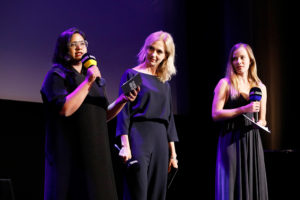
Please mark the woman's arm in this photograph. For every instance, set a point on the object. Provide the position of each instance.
(76, 98)
(125, 151)
(173, 156)
(220, 98)
(263, 106)
(115, 107)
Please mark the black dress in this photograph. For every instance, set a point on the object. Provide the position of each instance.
(78, 161)
(149, 124)
(240, 166)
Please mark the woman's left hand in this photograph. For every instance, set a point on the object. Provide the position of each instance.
(132, 95)
(173, 163)
(262, 122)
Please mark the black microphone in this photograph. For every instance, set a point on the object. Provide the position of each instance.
(131, 164)
(255, 95)
(88, 61)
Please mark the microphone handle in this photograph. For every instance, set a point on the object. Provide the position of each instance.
(134, 164)
(256, 117)
(100, 81)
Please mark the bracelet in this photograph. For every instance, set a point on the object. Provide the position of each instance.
(173, 157)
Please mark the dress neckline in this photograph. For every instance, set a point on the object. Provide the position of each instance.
(245, 98)
(144, 73)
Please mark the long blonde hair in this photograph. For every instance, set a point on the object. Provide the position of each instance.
(167, 67)
(231, 74)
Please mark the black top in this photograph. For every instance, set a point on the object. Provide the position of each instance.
(154, 103)
(60, 82)
(77, 147)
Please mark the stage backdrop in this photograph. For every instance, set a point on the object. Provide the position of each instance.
(115, 30)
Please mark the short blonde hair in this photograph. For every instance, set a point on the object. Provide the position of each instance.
(167, 67)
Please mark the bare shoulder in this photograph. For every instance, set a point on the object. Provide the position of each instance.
(262, 87)
(139, 68)
(222, 87)
(223, 83)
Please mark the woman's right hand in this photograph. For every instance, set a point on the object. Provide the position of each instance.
(92, 73)
(252, 107)
(125, 153)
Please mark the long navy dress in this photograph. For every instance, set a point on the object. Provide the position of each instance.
(240, 166)
(149, 124)
(77, 161)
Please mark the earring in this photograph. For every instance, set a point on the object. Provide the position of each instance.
(67, 58)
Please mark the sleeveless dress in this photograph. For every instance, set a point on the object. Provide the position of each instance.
(240, 165)
(77, 153)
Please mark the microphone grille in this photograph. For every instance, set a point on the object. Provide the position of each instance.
(88, 60)
(255, 94)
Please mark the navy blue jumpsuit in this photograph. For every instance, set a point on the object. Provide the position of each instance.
(149, 124)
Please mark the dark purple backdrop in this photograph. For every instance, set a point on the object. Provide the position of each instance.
(116, 31)
(203, 33)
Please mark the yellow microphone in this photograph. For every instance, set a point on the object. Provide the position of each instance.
(88, 61)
